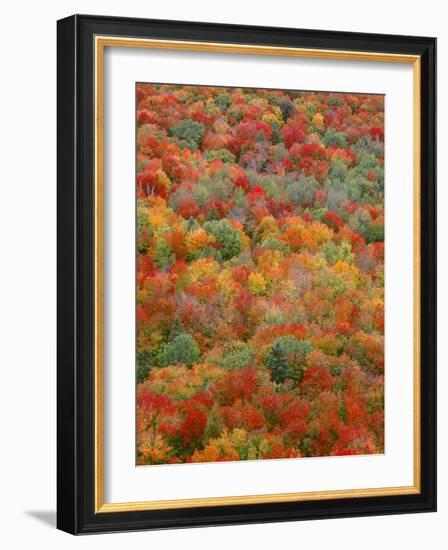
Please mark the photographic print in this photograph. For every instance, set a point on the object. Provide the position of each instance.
(260, 274)
(236, 334)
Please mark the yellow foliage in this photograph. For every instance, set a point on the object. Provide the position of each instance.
(207, 373)
(288, 287)
(321, 232)
(153, 449)
(275, 117)
(259, 102)
(349, 272)
(227, 285)
(157, 220)
(204, 267)
(318, 119)
(149, 339)
(267, 226)
(257, 284)
(269, 260)
(160, 215)
(197, 240)
(163, 178)
(310, 262)
(180, 381)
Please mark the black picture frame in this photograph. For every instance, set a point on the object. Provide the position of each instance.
(76, 273)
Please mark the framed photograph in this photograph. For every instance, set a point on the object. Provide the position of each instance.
(246, 274)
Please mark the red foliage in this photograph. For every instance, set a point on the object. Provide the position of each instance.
(260, 333)
(333, 220)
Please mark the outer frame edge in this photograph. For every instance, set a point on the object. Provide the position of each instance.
(67, 462)
(89, 523)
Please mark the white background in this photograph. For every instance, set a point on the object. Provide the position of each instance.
(126, 483)
(27, 288)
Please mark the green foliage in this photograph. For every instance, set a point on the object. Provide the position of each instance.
(334, 138)
(344, 253)
(182, 349)
(229, 238)
(214, 426)
(223, 101)
(330, 250)
(285, 358)
(222, 154)
(163, 255)
(287, 108)
(366, 145)
(276, 362)
(302, 191)
(192, 224)
(272, 243)
(334, 253)
(374, 232)
(142, 216)
(265, 341)
(189, 132)
(336, 199)
(201, 194)
(177, 328)
(333, 281)
(236, 355)
(145, 362)
(144, 230)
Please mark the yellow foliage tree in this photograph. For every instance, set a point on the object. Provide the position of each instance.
(257, 284)
(197, 240)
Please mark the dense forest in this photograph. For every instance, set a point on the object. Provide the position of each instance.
(260, 274)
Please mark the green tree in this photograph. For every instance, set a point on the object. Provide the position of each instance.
(221, 154)
(163, 255)
(182, 349)
(344, 253)
(236, 355)
(374, 232)
(285, 358)
(177, 329)
(189, 132)
(229, 238)
(223, 101)
(335, 138)
(144, 365)
(276, 363)
(334, 253)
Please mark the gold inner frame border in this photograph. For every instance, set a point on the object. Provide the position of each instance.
(101, 42)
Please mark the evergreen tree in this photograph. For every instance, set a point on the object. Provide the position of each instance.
(286, 357)
(177, 329)
(144, 365)
(277, 364)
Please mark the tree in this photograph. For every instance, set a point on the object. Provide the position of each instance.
(163, 256)
(177, 329)
(374, 231)
(144, 365)
(257, 284)
(286, 357)
(259, 273)
(230, 240)
(277, 364)
(182, 349)
(236, 355)
(223, 101)
(189, 133)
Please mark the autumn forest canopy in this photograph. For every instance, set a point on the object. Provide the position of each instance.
(260, 274)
